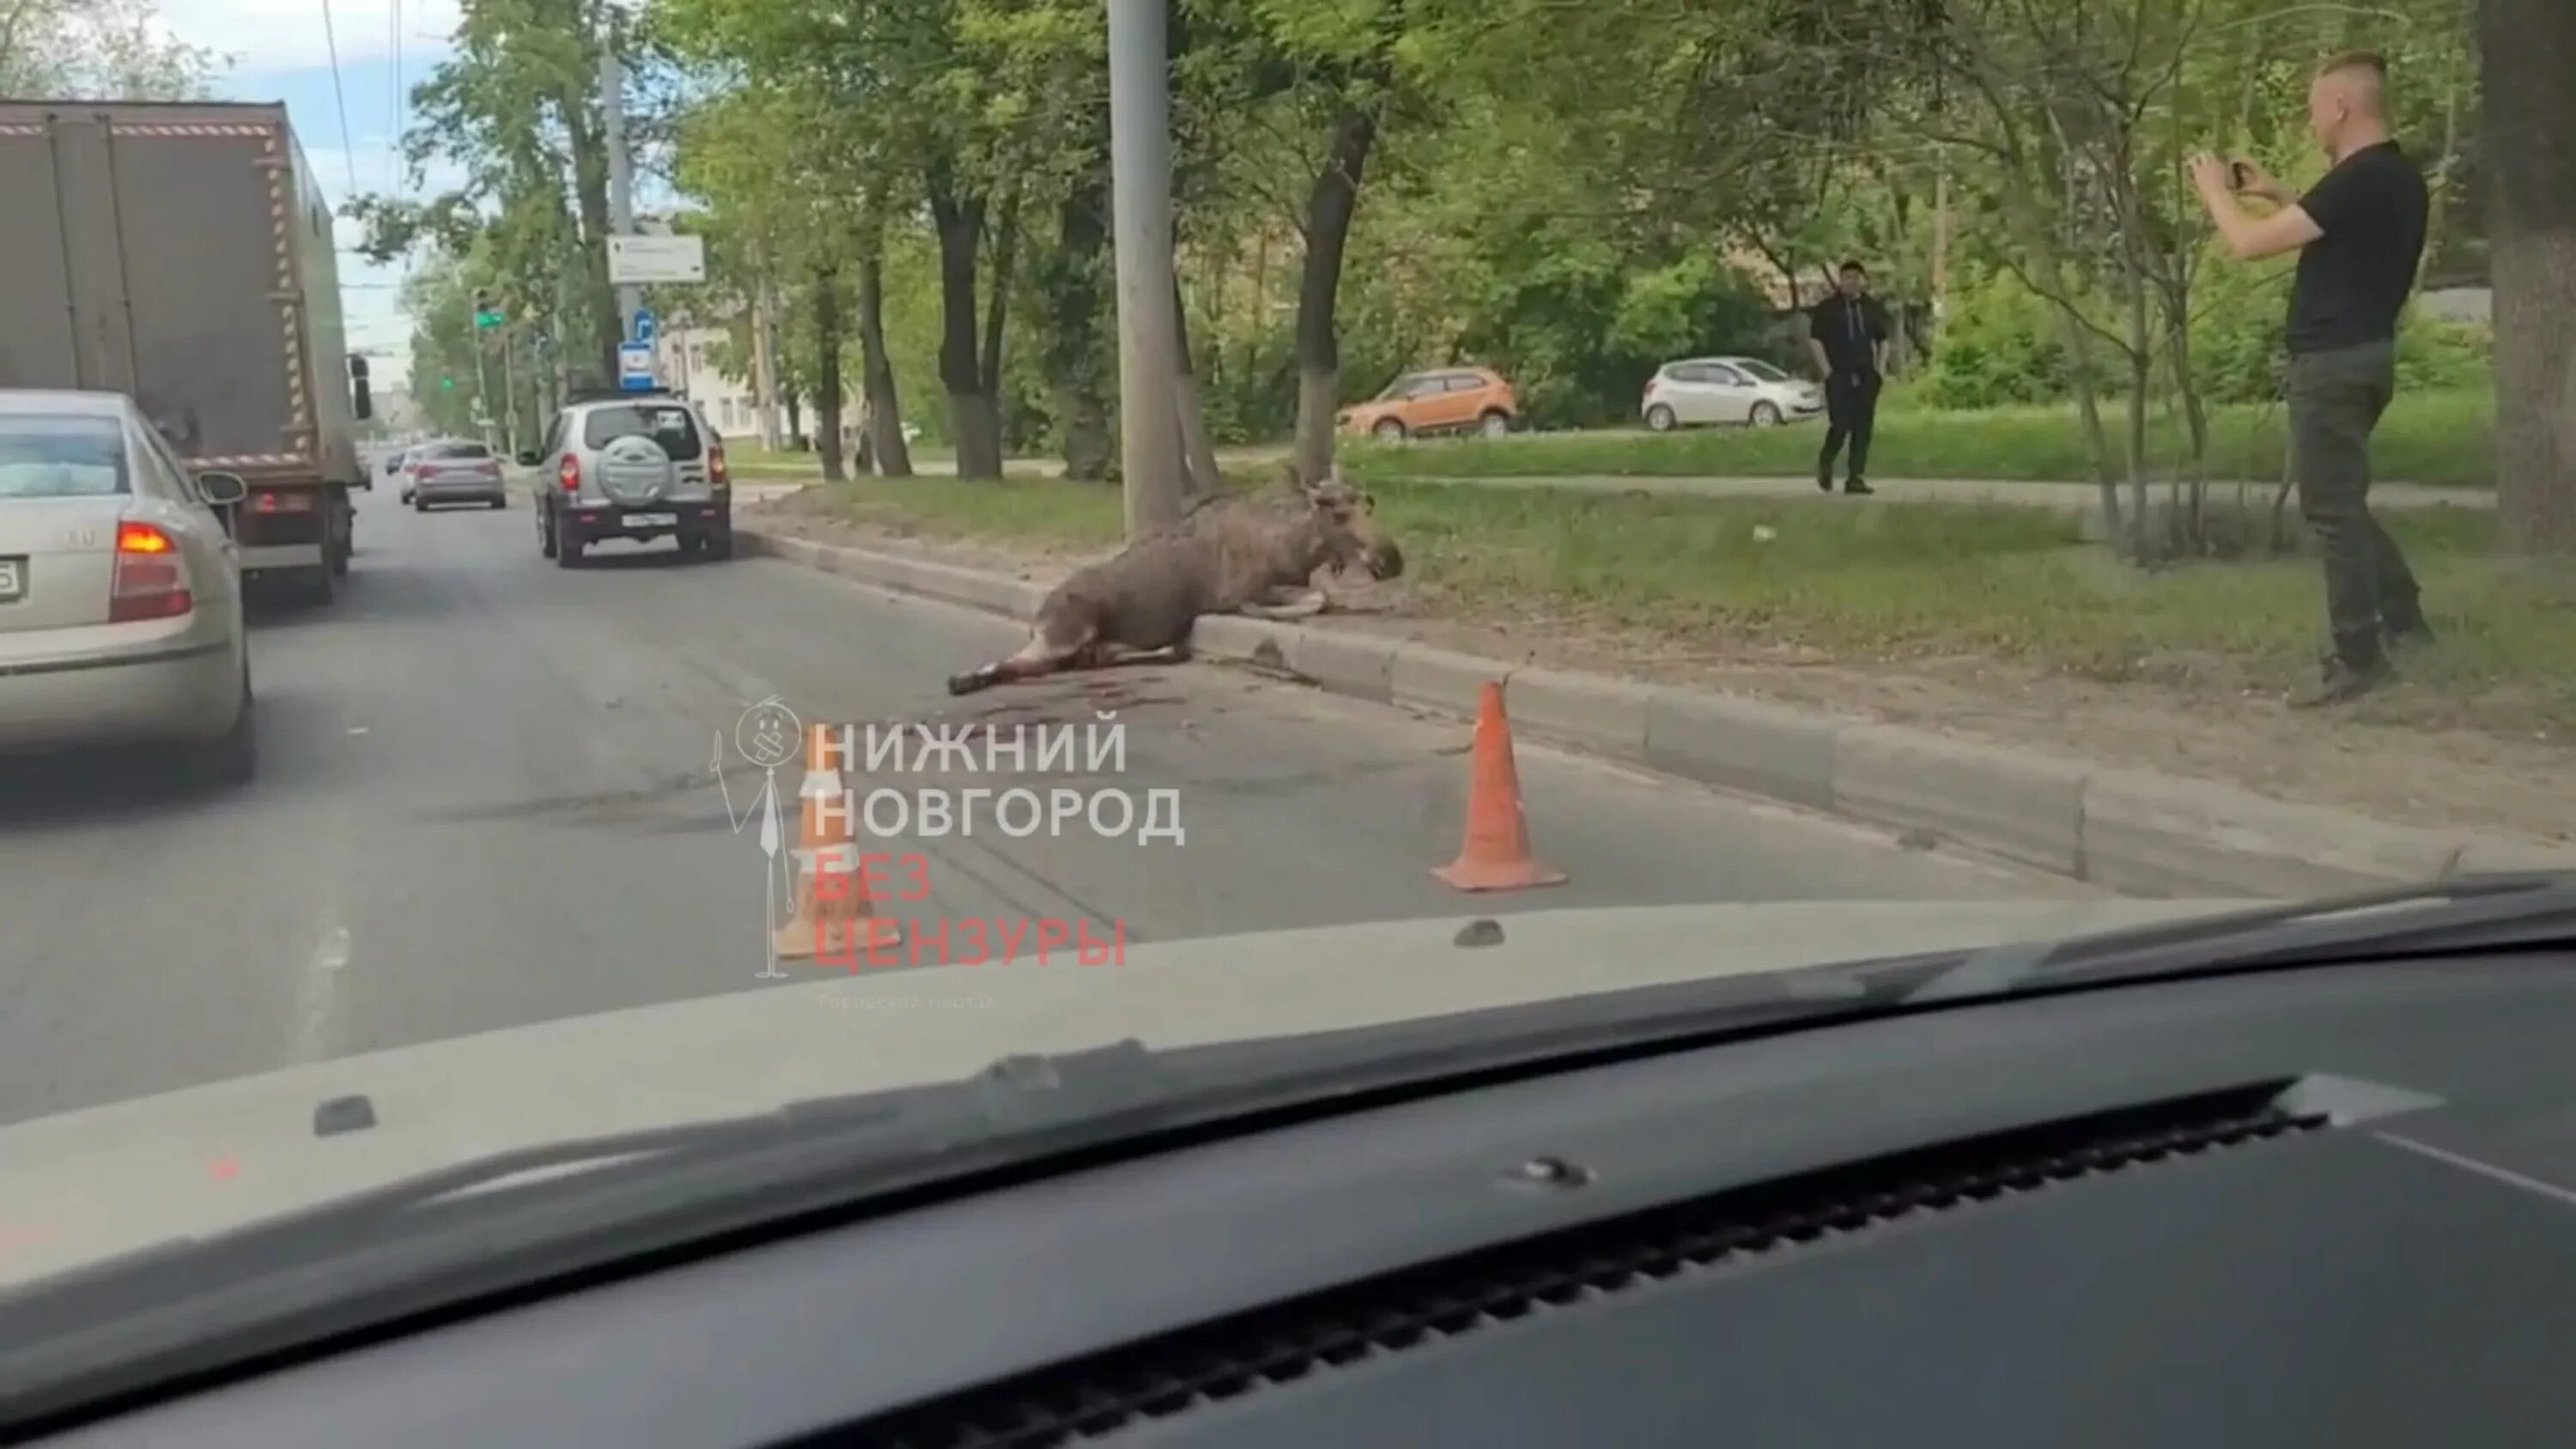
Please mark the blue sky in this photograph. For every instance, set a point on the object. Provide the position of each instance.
(349, 119)
(280, 51)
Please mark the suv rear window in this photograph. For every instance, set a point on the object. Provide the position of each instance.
(668, 424)
(52, 456)
(452, 450)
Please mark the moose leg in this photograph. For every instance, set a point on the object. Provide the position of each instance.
(1052, 647)
(1287, 604)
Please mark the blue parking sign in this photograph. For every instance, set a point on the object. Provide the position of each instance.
(643, 324)
(635, 366)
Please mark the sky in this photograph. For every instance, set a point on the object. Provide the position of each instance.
(349, 119)
(281, 50)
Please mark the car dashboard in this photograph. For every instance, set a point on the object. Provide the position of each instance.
(2332, 1206)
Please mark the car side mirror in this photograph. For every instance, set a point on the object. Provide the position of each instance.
(222, 489)
(361, 401)
(531, 460)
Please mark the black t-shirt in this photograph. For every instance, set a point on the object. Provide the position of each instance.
(1850, 329)
(2352, 281)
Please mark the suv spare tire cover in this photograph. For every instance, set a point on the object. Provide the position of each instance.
(633, 470)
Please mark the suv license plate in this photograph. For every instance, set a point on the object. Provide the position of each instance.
(651, 520)
(13, 580)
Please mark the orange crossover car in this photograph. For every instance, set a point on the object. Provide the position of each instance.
(1442, 400)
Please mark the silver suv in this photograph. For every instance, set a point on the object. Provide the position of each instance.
(639, 465)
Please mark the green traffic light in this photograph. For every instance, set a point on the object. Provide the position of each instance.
(447, 384)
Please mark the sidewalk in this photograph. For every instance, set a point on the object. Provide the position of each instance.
(2082, 498)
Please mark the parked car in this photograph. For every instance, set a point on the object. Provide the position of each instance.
(631, 466)
(1443, 400)
(454, 472)
(1746, 390)
(393, 465)
(120, 587)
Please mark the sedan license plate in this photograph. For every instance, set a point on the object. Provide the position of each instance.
(651, 520)
(13, 580)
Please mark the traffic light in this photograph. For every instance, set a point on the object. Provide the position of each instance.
(485, 313)
(446, 383)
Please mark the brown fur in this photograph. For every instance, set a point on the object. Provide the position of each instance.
(1242, 553)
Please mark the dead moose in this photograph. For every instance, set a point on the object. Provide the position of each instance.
(1251, 553)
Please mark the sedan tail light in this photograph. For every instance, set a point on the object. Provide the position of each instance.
(151, 579)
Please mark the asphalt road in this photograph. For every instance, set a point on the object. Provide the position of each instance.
(486, 798)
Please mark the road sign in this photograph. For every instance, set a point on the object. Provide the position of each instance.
(642, 330)
(656, 260)
(635, 366)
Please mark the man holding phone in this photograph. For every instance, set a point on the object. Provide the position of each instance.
(1847, 334)
(2359, 233)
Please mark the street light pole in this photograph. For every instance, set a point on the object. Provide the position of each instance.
(621, 166)
(1140, 178)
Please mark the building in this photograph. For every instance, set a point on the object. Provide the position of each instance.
(687, 360)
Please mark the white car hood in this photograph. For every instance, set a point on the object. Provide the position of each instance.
(85, 1185)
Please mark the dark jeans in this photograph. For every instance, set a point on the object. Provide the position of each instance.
(2336, 398)
(1851, 408)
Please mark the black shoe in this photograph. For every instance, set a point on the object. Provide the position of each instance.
(1858, 489)
(2414, 634)
(2344, 681)
(1826, 482)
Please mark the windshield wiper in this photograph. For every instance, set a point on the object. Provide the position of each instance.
(2468, 913)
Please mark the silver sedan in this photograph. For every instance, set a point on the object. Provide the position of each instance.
(120, 588)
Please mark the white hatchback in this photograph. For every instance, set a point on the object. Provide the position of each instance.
(120, 588)
(1743, 390)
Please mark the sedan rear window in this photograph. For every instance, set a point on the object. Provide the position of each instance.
(51, 456)
(474, 451)
(672, 427)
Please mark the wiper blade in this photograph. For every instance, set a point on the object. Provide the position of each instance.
(2472, 912)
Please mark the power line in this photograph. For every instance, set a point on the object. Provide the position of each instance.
(348, 152)
(393, 137)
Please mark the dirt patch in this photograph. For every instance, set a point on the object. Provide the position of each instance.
(2176, 714)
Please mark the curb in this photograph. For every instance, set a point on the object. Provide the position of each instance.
(2132, 831)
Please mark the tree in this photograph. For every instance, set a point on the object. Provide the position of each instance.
(2527, 52)
(98, 49)
(518, 106)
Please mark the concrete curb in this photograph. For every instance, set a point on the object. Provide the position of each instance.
(2132, 831)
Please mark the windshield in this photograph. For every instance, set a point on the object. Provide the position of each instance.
(53, 456)
(1012, 645)
(669, 426)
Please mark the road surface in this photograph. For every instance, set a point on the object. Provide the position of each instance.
(485, 799)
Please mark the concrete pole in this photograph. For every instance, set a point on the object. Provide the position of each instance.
(1140, 178)
(621, 167)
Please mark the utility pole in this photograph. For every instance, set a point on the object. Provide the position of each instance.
(1140, 178)
(621, 167)
(509, 395)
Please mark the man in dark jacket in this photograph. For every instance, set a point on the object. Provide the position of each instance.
(1847, 333)
(2359, 234)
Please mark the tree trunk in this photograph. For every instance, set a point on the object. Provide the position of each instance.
(887, 451)
(590, 194)
(973, 419)
(2527, 52)
(764, 342)
(1329, 207)
(827, 373)
(1198, 450)
(1069, 276)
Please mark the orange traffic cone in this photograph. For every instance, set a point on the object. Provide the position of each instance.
(835, 915)
(1496, 855)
